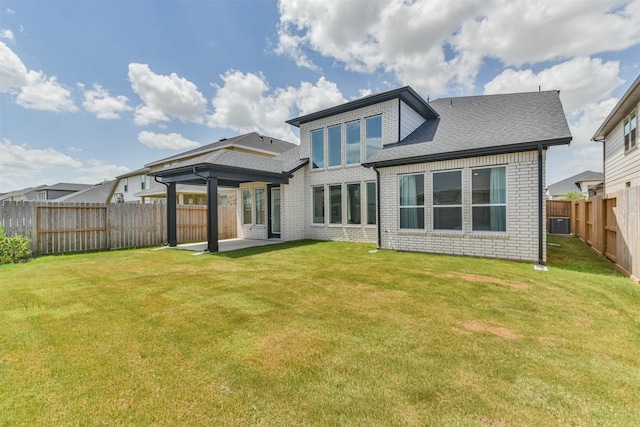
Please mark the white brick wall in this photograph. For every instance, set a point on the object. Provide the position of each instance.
(519, 242)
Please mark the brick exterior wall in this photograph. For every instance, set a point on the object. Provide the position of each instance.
(519, 242)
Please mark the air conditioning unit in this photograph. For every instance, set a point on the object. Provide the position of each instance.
(560, 225)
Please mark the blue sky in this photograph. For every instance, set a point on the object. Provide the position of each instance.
(92, 89)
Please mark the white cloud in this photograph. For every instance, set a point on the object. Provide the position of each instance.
(171, 141)
(7, 34)
(165, 97)
(245, 103)
(96, 171)
(580, 81)
(102, 104)
(433, 45)
(34, 89)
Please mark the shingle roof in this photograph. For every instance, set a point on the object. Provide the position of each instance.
(95, 194)
(569, 184)
(481, 125)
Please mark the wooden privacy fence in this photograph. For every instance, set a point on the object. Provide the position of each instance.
(611, 226)
(77, 227)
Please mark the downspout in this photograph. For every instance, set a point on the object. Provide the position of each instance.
(540, 206)
(378, 216)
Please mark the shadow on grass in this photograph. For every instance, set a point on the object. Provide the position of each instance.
(257, 250)
(571, 253)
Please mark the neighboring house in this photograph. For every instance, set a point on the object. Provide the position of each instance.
(582, 183)
(128, 185)
(619, 135)
(94, 194)
(44, 192)
(460, 176)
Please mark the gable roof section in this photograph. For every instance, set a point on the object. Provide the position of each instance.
(570, 184)
(629, 100)
(251, 141)
(482, 125)
(406, 94)
(95, 194)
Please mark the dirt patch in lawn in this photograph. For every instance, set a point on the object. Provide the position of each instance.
(495, 330)
(486, 279)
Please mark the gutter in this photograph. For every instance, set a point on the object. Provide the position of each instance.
(540, 210)
(378, 215)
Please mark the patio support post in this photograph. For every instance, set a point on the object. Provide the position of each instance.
(172, 216)
(212, 214)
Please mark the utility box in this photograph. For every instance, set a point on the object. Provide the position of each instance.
(560, 225)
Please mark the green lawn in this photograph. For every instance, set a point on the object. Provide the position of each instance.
(318, 333)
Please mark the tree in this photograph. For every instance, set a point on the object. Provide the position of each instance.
(573, 195)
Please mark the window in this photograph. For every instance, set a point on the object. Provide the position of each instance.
(354, 212)
(260, 206)
(317, 149)
(373, 138)
(143, 181)
(353, 142)
(630, 131)
(489, 199)
(372, 204)
(447, 200)
(335, 145)
(335, 203)
(412, 201)
(126, 185)
(224, 201)
(318, 205)
(246, 206)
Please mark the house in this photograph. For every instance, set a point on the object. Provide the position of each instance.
(128, 185)
(95, 194)
(458, 175)
(619, 135)
(44, 192)
(582, 183)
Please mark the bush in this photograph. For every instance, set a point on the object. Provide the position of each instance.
(14, 249)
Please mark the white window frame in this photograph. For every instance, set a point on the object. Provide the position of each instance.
(244, 205)
(341, 216)
(366, 136)
(321, 166)
(359, 143)
(420, 207)
(261, 209)
(505, 204)
(632, 133)
(347, 204)
(375, 203)
(434, 206)
(329, 151)
(313, 205)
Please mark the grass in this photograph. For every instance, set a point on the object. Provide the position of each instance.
(318, 333)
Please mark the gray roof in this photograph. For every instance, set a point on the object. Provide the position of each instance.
(95, 194)
(571, 184)
(251, 141)
(482, 125)
(65, 186)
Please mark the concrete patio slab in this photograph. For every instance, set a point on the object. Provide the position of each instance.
(227, 245)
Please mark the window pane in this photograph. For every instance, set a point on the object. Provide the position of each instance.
(412, 218)
(260, 206)
(353, 142)
(246, 206)
(371, 202)
(489, 186)
(449, 218)
(317, 149)
(447, 188)
(411, 190)
(373, 128)
(318, 205)
(354, 212)
(335, 201)
(335, 146)
(489, 218)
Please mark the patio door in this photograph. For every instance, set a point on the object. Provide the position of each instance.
(274, 211)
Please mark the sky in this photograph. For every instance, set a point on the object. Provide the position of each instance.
(92, 89)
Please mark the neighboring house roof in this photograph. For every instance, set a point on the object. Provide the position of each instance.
(21, 193)
(570, 184)
(252, 141)
(30, 193)
(405, 94)
(136, 172)
(482, 125)
(65, 186)
(628, 101)
(95, 194)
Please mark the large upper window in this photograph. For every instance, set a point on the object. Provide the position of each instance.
(334, 135)
(447, 200)
(317, 149)
(354, 211)
(353, 142)
(371, 202)
(630, 131)
(335, 203)
(373, 137)
(260, 206)
(318, 205)
(246, 206)
(412, 201)
(489, 199)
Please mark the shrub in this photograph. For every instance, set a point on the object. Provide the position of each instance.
(14, 249)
